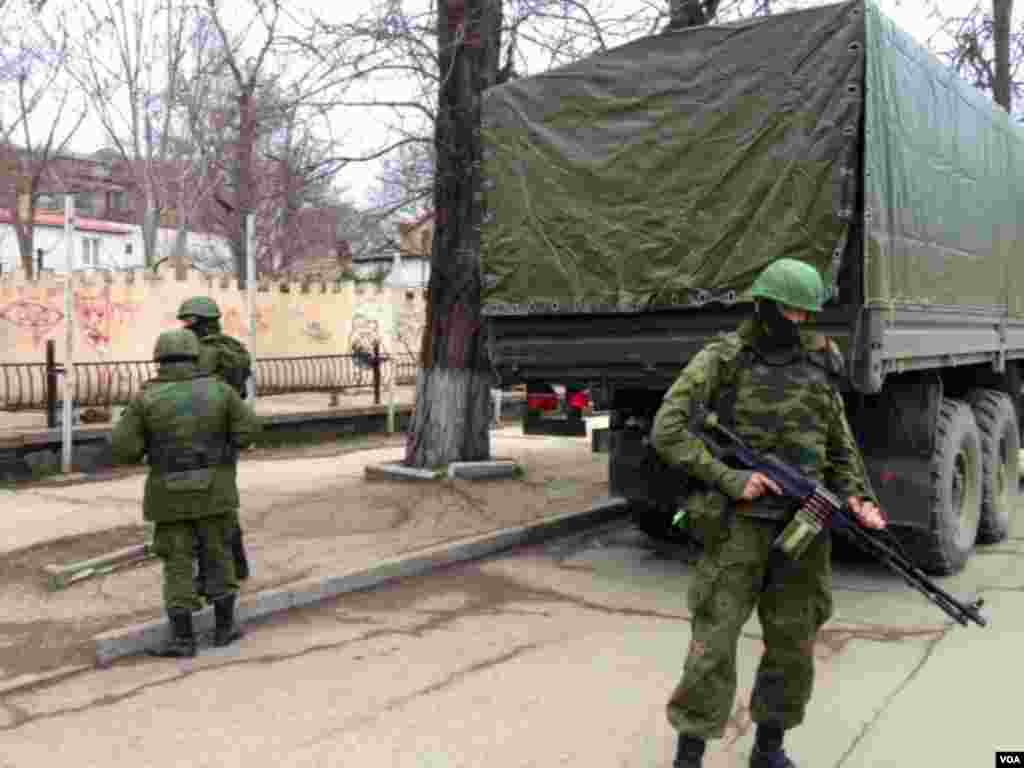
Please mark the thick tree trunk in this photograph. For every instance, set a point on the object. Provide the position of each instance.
(1002, 11)
(180, 248)
(24, 225)
(25, 232)
(150, 224)
(450, 422)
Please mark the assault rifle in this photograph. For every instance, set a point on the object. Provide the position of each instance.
(819, 508)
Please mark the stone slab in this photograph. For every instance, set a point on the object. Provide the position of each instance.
(139, 638)
(401, 472)
(482, 470)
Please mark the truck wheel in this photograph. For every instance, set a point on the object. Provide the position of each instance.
(1000, 473)
(956, 492)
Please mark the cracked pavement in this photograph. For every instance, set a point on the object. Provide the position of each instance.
(560, 654)
(552, 655)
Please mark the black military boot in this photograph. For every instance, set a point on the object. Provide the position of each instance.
(226, 631)
(770, 759)
(238, 553)
(768, 751)
(689, 753)
(183, 638)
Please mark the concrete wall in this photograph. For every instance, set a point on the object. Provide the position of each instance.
(117, 316)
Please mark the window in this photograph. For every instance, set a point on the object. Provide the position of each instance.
(117, 200)
(49, 202)
(90, 251)
(85, 203)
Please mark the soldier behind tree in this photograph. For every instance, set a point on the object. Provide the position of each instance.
(776, 386)
(187, 423)
(226, 357)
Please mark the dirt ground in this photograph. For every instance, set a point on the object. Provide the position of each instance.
(307, 512)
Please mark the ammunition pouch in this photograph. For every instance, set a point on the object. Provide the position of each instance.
(189, 480)
(236, 379)
(187, 469)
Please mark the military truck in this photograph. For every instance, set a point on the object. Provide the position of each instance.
(633, 197)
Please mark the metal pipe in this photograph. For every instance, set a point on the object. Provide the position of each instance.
(51, 384)
(250, 299)
(69, 333)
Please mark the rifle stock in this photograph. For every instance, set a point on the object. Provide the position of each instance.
(819, 509)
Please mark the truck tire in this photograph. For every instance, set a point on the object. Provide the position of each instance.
(1000, 473)
(956, 467)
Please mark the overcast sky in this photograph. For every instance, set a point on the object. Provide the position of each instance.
(362, 130)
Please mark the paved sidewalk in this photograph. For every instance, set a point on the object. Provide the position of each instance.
(304, 518)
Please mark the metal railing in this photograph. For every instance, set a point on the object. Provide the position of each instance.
(34, 386)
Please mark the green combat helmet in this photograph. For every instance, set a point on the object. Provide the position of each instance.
(176, 345)
(199, 306)
(792, 283)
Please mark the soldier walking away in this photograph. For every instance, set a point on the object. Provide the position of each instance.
(226, 357)
(776, 385)
(186, 423)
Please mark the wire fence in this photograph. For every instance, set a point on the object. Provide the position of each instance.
(35, 386)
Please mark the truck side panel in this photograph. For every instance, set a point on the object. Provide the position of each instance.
(944, 235)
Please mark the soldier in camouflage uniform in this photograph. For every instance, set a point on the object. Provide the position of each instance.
(776, 386)
(187, 424)
(226, 357)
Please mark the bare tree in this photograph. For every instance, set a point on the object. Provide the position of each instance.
(279, 80)
(131, 62)
(987, 50)
(32, 77)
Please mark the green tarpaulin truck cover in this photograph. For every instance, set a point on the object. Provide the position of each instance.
(671, 170)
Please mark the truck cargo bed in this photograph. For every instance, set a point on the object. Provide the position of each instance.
(643, 349)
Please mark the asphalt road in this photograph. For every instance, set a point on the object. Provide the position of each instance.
(555, 655)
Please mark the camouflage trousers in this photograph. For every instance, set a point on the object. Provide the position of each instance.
(735, 574)
(174, 543)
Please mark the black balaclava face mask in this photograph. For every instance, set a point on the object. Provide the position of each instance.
(782, 333)
(203, 326)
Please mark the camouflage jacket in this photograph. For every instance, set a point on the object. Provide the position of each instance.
(788, 407)
(189, 427)
(227, 358)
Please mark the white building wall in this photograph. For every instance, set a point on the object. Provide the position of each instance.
(115, 252)
(409, 273)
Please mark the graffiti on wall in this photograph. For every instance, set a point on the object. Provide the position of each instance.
(313, 328)
(365, 333)
(98, 317)
(409, 331)
(33, 317)
(118, 319)
(233, 324)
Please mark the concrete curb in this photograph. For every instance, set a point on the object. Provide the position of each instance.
(483, 470)
(137, 638)
(400, 472)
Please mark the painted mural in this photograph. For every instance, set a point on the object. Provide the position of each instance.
(119, 316)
